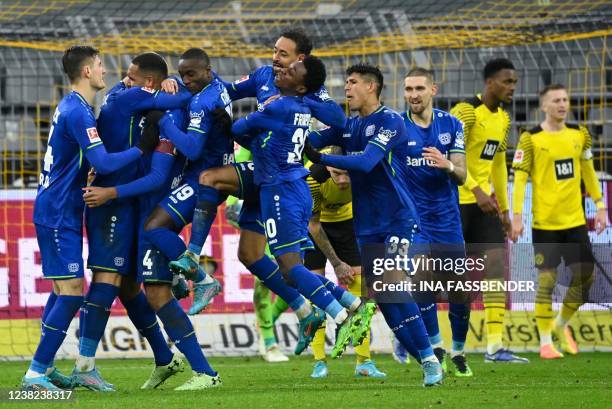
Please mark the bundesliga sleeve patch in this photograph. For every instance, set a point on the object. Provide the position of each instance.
(243, 79)
(518, 156)
(92, 134)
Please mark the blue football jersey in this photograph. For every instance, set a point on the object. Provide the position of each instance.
(260, 84)
(434, 192)
(120, 120)
(281, 128)
(382, 202)
(218, 148)
(59, 200)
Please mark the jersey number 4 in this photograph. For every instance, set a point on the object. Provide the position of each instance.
(298, 139)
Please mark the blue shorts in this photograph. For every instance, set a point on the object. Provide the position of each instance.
(444, 242)
(152, 265)
(179, 204)
(112, 234)
(286, 209)
(61, 251)
(250, 213)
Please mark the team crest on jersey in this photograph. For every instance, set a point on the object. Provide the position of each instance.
(73, 267)
(369, 131)
(243, 79)
(149, 90)
(322, 94)
(444, 138)
(385, 135)
(92, 134)
(119, 261)
(518, 156)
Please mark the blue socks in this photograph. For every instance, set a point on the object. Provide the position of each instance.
(179, 329)
(411, 319)
(49, 306)
(311, 287)
(459, 317)
(203, 217)
(95, 311)
(55, 325)
(429, 313)
(166, 241)
(345, 298)
(268, 273)
(144, 319)
(394, 321)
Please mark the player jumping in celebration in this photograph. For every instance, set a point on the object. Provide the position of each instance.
(485, 220)
(277, 133)
(557, 155)
(436, 165)
(73, 145)
(237, 180)
(375, 143)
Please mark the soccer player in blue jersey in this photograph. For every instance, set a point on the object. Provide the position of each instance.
(436, 166)
(73, 145)
(276, 134)
(375, 143)
(112, 229)
(237, 180)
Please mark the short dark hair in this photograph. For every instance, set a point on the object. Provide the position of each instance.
(303, 44)
(315, 73)
(370, 71)
(196, 54)
(494, 66)
(551, 87)
(151, 63)
(421, 72)
(75, 58)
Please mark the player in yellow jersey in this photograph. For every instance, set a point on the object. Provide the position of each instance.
(557, 155)
(331, 228)
(485, 217)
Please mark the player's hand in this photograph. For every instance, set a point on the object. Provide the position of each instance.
(232, 213)
(600, 220)
(311, 153)
(270, 99)
(506, 221)
(517, 227)
(222, 121)
(149, 138)
(486, 203)
(434, 158)
(95, 196)
(344, 273)
(170, 86)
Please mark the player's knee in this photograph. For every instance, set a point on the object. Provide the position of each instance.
(248, 255)
(210, 178)
(107, 278)
(158, 295)
(287, 262)
(128, 290)
(73, 286)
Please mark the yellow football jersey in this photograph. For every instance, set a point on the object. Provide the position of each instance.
(553, 160)
(334, 204)
(486, 134)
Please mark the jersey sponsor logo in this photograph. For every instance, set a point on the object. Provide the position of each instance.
(243, 79)
(370, 129)
(385, 135)
(346, 135)
(444, 138)
(412, 143)
(149, 90)
(518, 156)
(73, 267)
(410, 161)
(92, 134)
(489, 149)
(564, 169)
(119, 261)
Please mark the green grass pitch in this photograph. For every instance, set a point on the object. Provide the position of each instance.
(584, 381)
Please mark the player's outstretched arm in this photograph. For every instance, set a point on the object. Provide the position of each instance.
(325, 137)
(189, 143)
(326, 110)
(363, 162)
